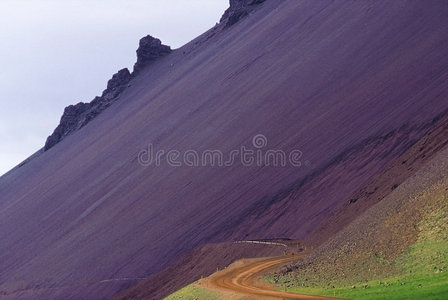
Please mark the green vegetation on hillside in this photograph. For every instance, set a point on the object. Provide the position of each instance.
(430, 286)
(419, 272)
(192, 291)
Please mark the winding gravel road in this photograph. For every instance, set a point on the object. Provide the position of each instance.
(245, 280)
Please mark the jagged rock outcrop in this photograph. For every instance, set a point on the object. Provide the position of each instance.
(149, 50)
(77, 116)
(117, 84)
(238, 10)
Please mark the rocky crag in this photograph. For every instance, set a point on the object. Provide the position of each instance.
(238, 10)
(150, 49)
(79, 115)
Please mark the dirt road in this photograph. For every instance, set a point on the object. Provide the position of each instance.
(244, 279)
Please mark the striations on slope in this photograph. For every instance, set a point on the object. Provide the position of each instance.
(356, 82)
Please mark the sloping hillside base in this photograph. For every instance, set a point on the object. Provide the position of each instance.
(398, 247)
(202, 262)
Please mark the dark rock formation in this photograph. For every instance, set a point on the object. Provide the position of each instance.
(238, 10)
(117, 83)
(77, 116)
(149, 50)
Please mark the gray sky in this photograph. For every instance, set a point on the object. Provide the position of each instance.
(54, 53)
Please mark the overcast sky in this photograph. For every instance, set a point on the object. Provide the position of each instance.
(54, 53)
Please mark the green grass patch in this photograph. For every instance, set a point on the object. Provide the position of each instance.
(193, 292)
(421, 270)
(417, 287)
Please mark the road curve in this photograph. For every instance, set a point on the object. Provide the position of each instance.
(245, 280)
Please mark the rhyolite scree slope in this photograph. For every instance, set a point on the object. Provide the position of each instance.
(352, 84)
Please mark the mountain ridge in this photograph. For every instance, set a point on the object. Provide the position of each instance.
(77, 116)
(304, 74)
(150, 49)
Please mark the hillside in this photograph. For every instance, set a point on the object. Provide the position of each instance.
(397, 249)
(392, 245)
(351, 85)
